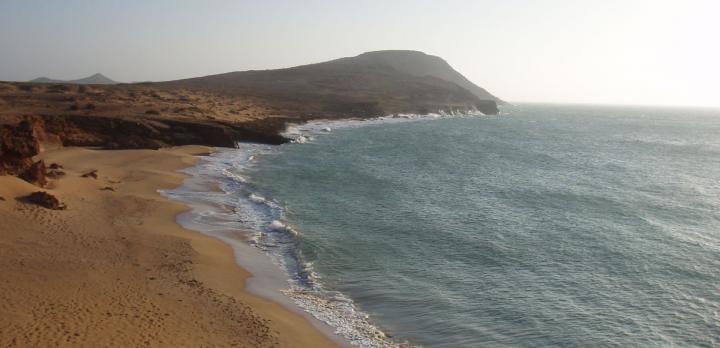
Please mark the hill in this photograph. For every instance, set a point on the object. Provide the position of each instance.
(46, 80)
(96, 79)
(421, 64)
(371, 84)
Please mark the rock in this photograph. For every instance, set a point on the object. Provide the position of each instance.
(2, 199)
(18, 144)
(91, 174)
(45, 200)
(107, 188)
(55, 174)
(46, 140)
(36, 174)
(54, 171)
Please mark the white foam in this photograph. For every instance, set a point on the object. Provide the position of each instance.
(237, 177)
(301, 139)
(303, 133)
(281, 227)
(257, 199)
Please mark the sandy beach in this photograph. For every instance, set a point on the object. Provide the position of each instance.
(115, 269)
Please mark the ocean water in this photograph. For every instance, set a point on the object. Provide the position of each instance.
(547, 226)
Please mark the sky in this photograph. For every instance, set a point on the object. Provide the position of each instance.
(601, 52)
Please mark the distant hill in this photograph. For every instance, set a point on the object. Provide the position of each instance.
(373, 83)
(46, 80)
(96, 79)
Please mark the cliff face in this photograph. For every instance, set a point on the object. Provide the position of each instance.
(149, 133)
(21, 142)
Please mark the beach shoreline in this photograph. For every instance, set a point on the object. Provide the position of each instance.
(225, 206)
(116, 269)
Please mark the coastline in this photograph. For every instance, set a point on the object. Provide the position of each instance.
(221, 208)
(115, 269)
(225, 206)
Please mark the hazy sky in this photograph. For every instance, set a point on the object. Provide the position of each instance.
(620, 52)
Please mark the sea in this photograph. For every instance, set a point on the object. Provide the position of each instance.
(544, 226)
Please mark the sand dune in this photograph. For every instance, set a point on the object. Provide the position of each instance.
(114, 269)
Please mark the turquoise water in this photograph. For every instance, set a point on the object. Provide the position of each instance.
(549, 226)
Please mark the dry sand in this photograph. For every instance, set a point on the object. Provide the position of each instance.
(114, 269)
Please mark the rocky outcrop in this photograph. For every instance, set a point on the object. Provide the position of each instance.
(488, 107)
(18, 145)
(36, 174)
(45, 200)
(54, 171)
(90, 174)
